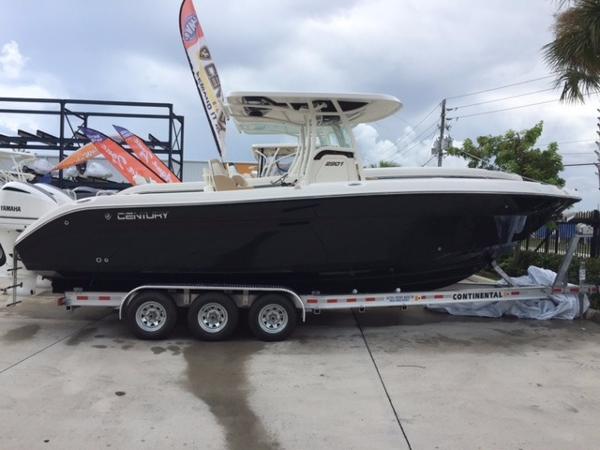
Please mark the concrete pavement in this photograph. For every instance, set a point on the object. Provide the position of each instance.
(79, 379)
(471, 383)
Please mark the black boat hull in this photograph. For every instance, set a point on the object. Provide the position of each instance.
(327, 244)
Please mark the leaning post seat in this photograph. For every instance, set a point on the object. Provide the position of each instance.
(222, 181)
(219, 176)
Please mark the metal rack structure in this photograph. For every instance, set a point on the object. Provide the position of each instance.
(74, 113)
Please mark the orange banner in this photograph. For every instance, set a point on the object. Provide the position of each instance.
(146, 156)
(133, 170)
(85, 153)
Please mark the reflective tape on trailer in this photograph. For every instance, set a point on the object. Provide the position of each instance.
(93, 298)
(481, 294)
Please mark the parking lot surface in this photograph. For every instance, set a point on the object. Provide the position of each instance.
(387, 379)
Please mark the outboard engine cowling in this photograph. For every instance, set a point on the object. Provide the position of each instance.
(20, 205)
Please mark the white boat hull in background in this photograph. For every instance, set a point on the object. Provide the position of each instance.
(20, 205)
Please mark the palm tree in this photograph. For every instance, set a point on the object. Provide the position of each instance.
(575, 52)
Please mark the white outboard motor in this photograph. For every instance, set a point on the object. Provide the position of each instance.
(20, 205)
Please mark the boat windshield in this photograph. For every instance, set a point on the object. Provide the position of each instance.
(277, 165)
(274, 159)
(333, 136)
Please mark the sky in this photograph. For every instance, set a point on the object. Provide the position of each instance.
(419, 51)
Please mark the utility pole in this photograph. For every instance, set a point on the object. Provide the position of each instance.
(597, 164)
(597, 152)
(440, 142)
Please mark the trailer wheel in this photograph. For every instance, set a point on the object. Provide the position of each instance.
(151, 315)
(213, 316)
(272, 317)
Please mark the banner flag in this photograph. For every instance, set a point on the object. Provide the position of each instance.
(85, 153)
(204, 71)
(127, 165)
(146, 156)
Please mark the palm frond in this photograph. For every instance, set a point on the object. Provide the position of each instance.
(575, 52)
(576, 85)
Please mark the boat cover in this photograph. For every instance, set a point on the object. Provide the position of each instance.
(557, 306)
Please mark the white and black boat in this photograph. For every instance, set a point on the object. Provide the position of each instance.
(327, 225)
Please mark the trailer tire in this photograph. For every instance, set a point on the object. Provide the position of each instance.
(151, 315)
(213, 316)
(272, 317)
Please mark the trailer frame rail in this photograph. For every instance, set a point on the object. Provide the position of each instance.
(315, 303)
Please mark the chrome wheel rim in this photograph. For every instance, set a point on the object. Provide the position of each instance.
(213, 317)
(272, 318)
(151, 316)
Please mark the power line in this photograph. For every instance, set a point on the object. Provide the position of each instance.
(414, 128)
(428, 114)
(500, 87)
(416, 139)
(472, 156)
(514, 107)
(429, 160)
(545, 144)
(408, 139)
(581, 164)
(575, 142)
(500, 99)
(416, 143)
(406, 122)
(503, 109)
